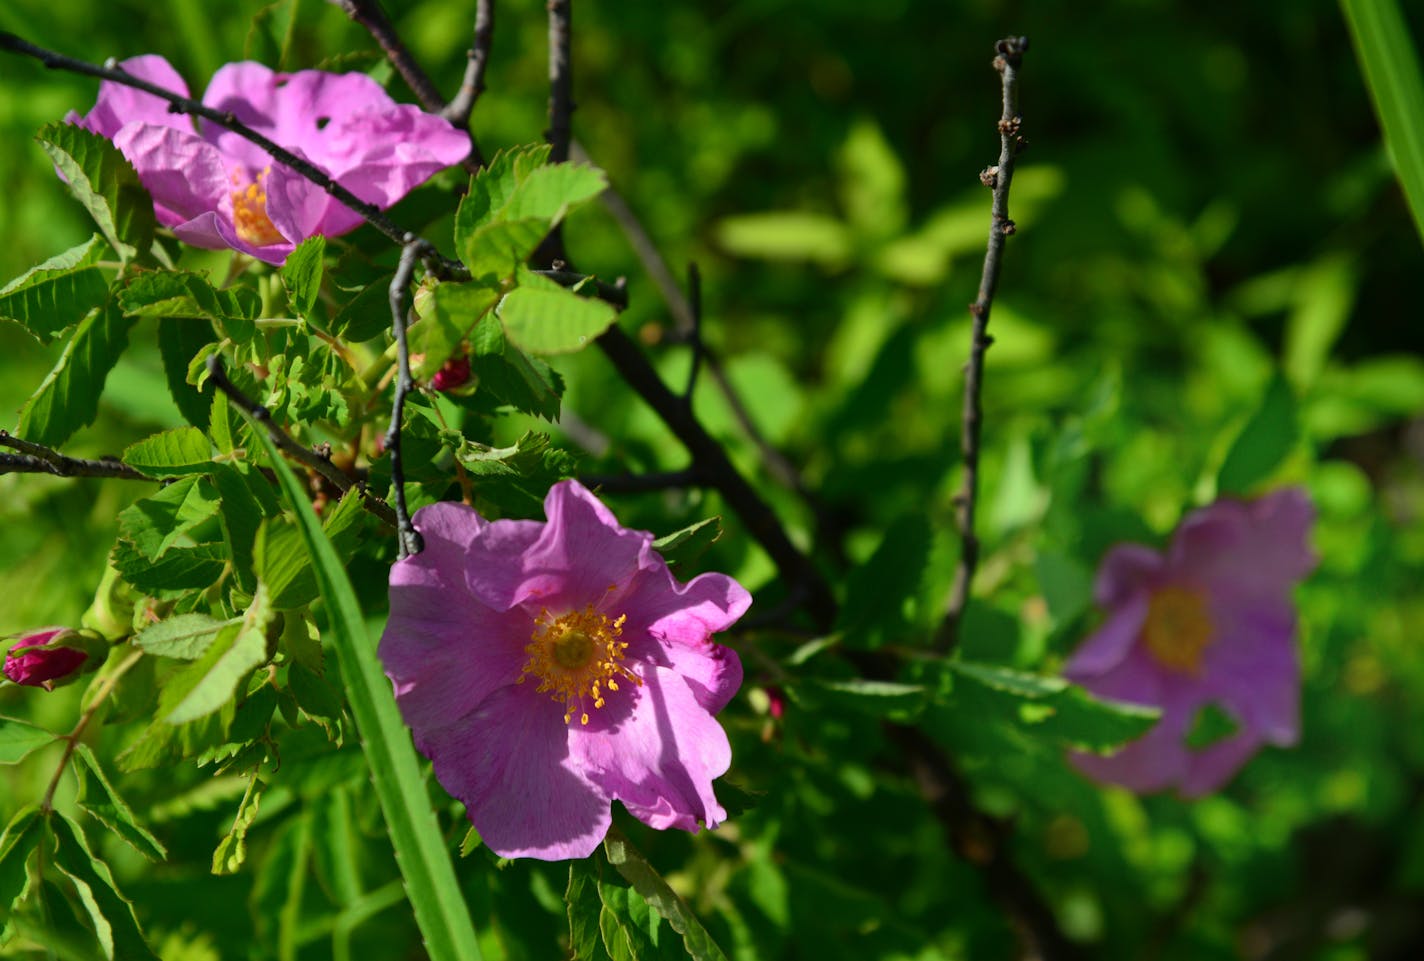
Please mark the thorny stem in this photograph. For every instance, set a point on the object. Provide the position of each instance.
(407, 537)
(39, 459)
(1010, 54)
(283, 440)
(71, 740)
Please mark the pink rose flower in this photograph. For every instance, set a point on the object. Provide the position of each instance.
(1210, 622)
(548, 669)
(36, 661)
(216, 189)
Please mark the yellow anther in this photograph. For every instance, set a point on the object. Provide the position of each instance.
(1178, 628)
(575, 657)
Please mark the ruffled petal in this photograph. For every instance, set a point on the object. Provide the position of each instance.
(184, 174)
(118, 105)
(251, 93)
(1247, 548)
(583, 556)
(508, 761)
(659, 758)
(295, 205)
(382, 152)
(1112, 642)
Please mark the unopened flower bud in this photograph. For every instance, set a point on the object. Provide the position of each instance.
(51, 657)
(455, 373)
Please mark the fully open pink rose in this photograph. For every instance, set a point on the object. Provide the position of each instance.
(548, 669)
(216, 189)
(1210, 622)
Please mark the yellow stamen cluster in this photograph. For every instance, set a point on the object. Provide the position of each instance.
(1178, 628)
(576, 657)
(249, 211)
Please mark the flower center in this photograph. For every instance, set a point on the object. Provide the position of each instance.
(1178, 628)
(576, 658)
(249, 211)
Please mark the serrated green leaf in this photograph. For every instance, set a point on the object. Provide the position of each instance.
(22, 835)
(110, 809)
(584, 910)
(210, 682)
(879, 699)
(499, 249)
(181, 515)
(420, 847)
(493, 185)
(447, 316)
(18, 739)
(1263, 443)
(183, 637)
(687, 545)
(1018, 683)
(241, 514)
(314, 695)
(69, 397)
(367, 314)
(180, 340)
(512, 376)
(553, 321)
(280, 557)
(184, 450)
(180, 569)
(48, 299)
(176, 293)
(650, 885)
(550, 192)
(111, 913)
(105, 183)
(162, 744)
(302, 273)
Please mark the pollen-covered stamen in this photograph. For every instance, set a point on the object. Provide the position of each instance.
(249, 210)
(576, 657)
(1178, 628)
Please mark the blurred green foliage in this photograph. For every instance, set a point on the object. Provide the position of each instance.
(1215, 288)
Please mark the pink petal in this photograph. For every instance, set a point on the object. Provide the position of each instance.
(381, 153)
(1253, 666)
(295, 205)
(1213, 766)
(1126, 570)
(185, 175)
(583, 556)
(1247, 548)
(1112, 642)
(249, 91)
(119, 105)
(508, 761)
(660, 757)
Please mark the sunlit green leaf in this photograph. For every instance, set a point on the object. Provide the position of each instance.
(54, 296)
(105, 183)
(69, 397)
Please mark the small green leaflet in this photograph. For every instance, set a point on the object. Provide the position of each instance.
(19, 738)
(69, 397)
(22, 835)
(105, 183)
(184, 637)
(185, 450)
(687, 545)
(1268, 437)
(302, 273)
(107, 807)
(212, 681)
(176, 293)
(649, 884)
(56, 295)
(553, 321)
(232, 849)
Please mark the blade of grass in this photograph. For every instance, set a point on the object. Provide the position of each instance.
(1391, 68)
(420, 850)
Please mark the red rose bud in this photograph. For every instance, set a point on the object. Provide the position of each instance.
(455, 373)
(36, 661)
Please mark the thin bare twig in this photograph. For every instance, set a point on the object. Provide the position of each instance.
(408, 538)
(458, 110)
(561, 108)
(284, 442)
(1010, 55)
(368, 14)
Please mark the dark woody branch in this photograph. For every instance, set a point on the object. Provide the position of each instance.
(457, 111)
(38, 459)
(407, 537)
